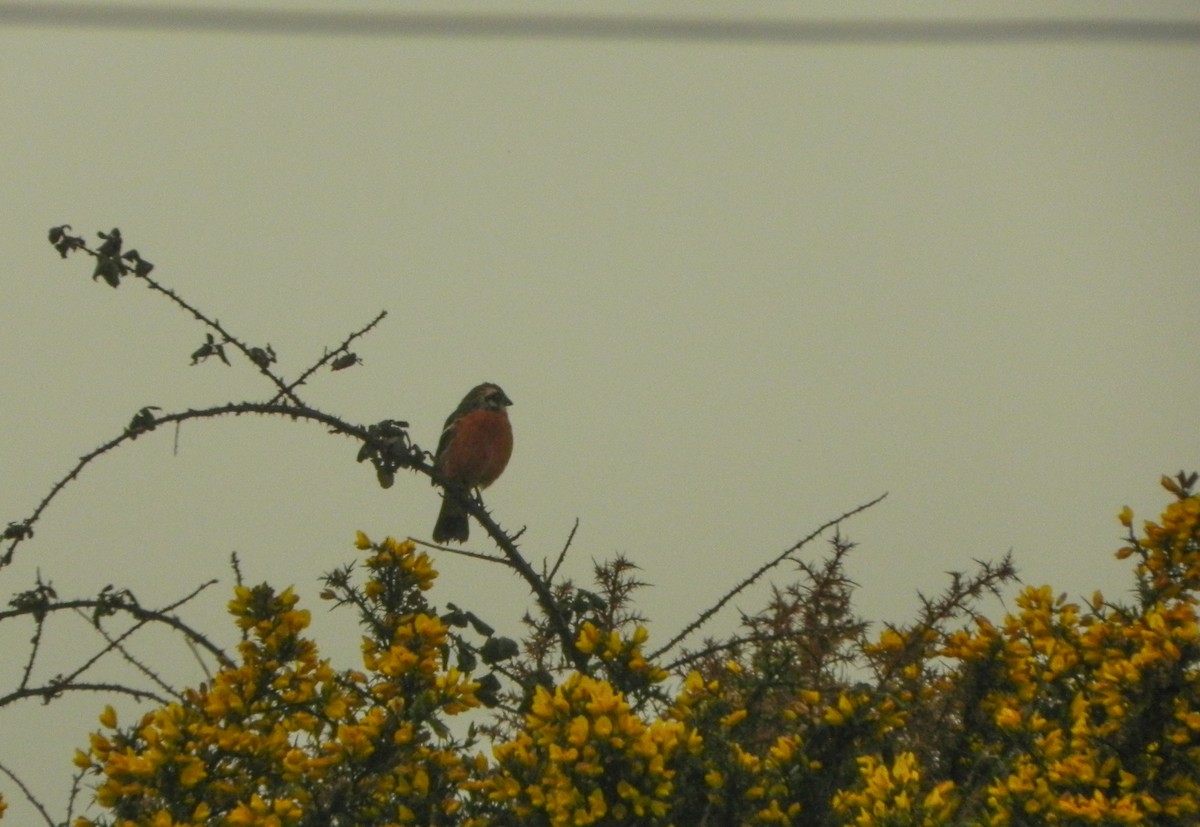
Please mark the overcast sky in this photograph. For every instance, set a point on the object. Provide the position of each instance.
(734, 289)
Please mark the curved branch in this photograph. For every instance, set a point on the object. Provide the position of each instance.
(52, 690)
(231, 408)
(413, 461)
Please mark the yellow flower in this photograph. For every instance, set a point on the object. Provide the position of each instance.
(247, 813)
(193, 772)
(734, 718)
(578, 732)
(783, 750)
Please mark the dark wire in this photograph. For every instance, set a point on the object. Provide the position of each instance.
(176, 18)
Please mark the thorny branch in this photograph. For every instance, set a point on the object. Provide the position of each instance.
(28, 793)
(759, 572)
(41, 603)
(331, 356)
(386, 445)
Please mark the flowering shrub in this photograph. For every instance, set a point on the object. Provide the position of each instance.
(1059, 713)
(284, 739)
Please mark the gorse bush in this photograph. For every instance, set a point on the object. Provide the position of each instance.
(1058, 713)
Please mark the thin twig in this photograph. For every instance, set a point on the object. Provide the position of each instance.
(225, 334)
(562, 555)
(763, 569)
(141, 623)
(115, 644)
(342, 348)
(74, 794)
(540, 587)
(462, 552)
(194, 311)
(733, 643)
(136, 611)
(35, 644)
(53, 690)
(29, 796)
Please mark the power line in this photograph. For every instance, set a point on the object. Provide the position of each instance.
(125, 17)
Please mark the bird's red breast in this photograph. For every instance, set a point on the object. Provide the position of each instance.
(478, 448)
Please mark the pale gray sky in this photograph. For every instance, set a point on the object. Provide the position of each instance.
(734, 289)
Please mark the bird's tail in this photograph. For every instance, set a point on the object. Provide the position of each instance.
(451, 522)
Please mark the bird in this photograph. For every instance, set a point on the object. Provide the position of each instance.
(474, 449)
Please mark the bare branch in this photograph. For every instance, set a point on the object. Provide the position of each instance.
(763, 569)
(462, 552)
(330, 356)
(247, 350)
(540, 587)
(29, 796)
(562, 555)
(133, 610)
(233, 408)
(53, 690)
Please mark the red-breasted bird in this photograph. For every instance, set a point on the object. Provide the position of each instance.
(473, 451)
